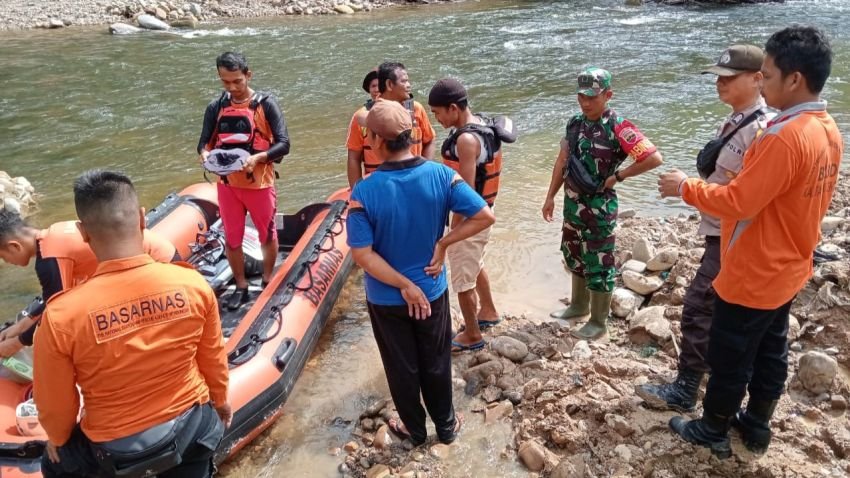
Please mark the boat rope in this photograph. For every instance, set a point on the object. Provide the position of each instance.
(247, 350)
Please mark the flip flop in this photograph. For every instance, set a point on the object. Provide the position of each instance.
(395, 425)
(458, 426)
(482, 324)
(458, 347)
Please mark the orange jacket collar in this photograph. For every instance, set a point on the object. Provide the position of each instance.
(116, 265)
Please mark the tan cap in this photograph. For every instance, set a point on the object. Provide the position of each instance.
(388, 119)
(737, 59)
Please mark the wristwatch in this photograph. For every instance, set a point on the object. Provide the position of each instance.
(617, 175)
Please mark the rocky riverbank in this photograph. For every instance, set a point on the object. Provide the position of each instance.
(571, 404)
(23, 14)
(17, 194)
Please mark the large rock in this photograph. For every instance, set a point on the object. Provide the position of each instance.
(830, 223)
(793, 328)
(817, 372)
(581, 350)
(186, 22)
(378, 471)
(643, 285)
(195, 9)
(509, 348)
(643, 250)
(532, 455)
(635, 266)
(150, 22)
(123, 29)
(624, 302)
(55, 23)
(484, 370)
(664, 260)
(344, 9)
(649, 325)
(495, 411)
(161, 13)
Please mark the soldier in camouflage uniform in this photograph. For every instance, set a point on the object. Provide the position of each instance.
(597, 142)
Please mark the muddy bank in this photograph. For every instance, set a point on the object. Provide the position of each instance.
(571, 405)
(23, 14)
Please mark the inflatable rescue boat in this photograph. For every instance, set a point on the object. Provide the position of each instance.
(269, 339)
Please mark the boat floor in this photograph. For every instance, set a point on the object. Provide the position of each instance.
(230, 319)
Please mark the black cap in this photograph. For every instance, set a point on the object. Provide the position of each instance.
(445, 92)
(372, 75)
(737, 59)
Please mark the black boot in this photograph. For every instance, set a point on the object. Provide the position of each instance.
(681, 395)
(754, 424)
(710, 431)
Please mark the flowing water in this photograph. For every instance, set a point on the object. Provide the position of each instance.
(77, 99)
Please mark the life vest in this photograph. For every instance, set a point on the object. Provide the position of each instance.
(492, 133)
(237, 127)
(371, 166)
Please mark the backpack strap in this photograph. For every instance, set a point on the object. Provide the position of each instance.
(749, 119)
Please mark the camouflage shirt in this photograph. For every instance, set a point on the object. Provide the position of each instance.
(604, 144)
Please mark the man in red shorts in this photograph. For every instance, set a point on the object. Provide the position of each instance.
(251, 121)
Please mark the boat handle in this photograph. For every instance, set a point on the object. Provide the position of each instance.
(284, 353)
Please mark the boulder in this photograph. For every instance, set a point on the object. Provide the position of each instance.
(151, 22)
(510, 348)
(664, 260)
(495, 411)
(160, 13)
(378, 471)
(643, 285)
(643, 250)
(440, 451)
(344, 9)
(649, 325)
(817, 372)
(195, 9)
(484, 370)
(581, 350)
(382, 438)
(627, 213)
(12, 204)
(830, 223)
(624, 302)
(123, 29)
(186, 22)
(793, 328)
(635, 266)
(55, 23)
(532, 455)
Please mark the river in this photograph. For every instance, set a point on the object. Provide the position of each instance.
(80, 98)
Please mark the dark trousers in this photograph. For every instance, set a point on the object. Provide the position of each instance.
(698, 310)
(417, 359)
(77, 455)
(748, 350)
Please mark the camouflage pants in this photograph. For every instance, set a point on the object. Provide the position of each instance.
(588, 237)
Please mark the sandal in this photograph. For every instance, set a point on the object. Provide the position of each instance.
(458, 347)
(458, 426)
(482, 325)
(397, 427)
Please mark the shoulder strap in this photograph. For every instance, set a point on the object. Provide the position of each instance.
(749, 119)
(573, 128)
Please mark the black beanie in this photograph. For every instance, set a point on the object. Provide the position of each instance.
(445, 92)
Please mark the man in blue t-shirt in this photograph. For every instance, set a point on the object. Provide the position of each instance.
(395, 230)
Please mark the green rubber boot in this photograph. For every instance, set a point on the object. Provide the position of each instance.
(600, 307)
(579, 301)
